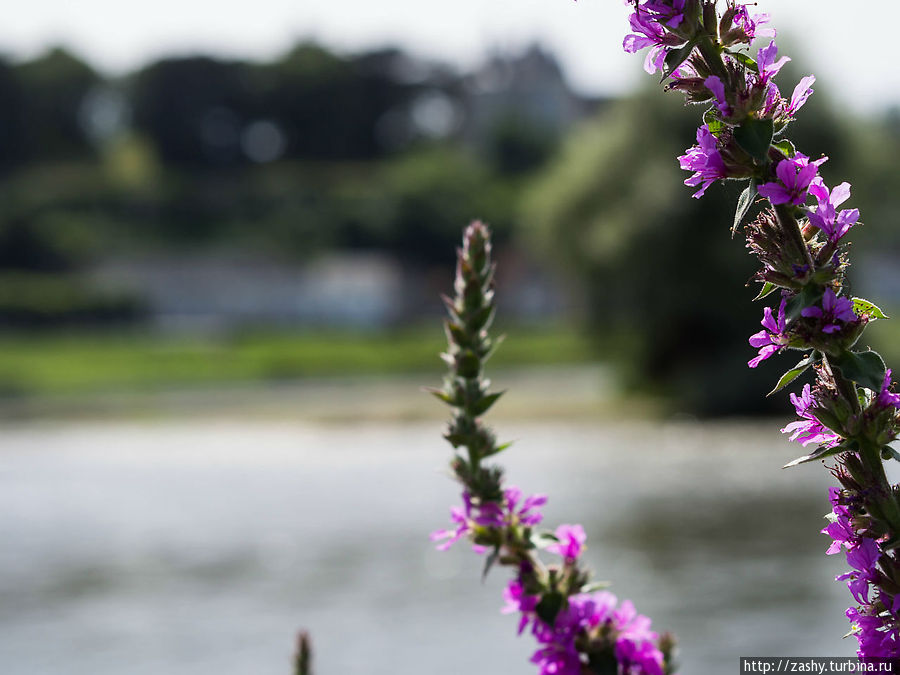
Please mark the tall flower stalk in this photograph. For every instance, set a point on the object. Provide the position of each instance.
(579, 628)
(849, 412)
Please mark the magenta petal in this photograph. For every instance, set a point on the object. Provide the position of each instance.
(775, 193)
(811, 312)
(760, 339)
(840, 194)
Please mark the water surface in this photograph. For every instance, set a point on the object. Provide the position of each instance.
(202, 546)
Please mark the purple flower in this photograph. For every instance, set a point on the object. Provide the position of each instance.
(669, 12)
(776, 107)
(528, 514)
(648, 32)
(571, 542)
(885, 398)
(462, 518)
(795, 176)
(877, 638)
(704, 160)
(768, 66)
(714, 84)
(518, 601)
(490, 514)
(809, 429)
(825, 216)
(802, 92)
(863, 558)
(555, 660)
(750, 24)
(773, 338)
(840, 529)
(833, 309)
(633, 642)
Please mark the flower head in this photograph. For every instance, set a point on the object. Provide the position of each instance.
(704, 160)
(833, 309)
(571, 542)
(650, 23)
(794, 176)
(809, 429)
(768, 66)
(774, 336)
(715, 85)
(825, 216)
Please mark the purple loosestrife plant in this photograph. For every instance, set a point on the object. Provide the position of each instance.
(850, 413)
(579, 629)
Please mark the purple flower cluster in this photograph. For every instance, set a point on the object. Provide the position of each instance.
(808, 429)
(512, 512)
(851, 412)
(875, 618)
(774, 336)
(625, 632)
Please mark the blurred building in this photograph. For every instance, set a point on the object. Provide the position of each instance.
(211, 291)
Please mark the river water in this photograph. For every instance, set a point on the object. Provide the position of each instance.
(179, 547)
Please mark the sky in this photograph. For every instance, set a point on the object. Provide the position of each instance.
(586, 35)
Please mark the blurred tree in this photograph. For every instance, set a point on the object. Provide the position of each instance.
(23, 246)
(13, 122)
(516, 145)
(658, 266)
(193, 109)
(54, 87)
(329, 106)
(430, 192)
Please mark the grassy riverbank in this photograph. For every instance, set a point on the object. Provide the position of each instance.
(36, 365)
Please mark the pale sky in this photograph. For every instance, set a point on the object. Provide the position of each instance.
(586, 35)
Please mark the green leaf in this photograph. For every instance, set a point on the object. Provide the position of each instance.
(549, 606)
(786, 148)
(489, 563)
(819, 453)
(887, 452)
(675, 58)
(767, 288)
(543, 539)
(595, 586)
(755, 136)
(870, 309)
(715, 125)
(864, 368)
(485, 403)
(745, 201)
(499, 449)
(793, 374)
(744, 60)
(440, 394)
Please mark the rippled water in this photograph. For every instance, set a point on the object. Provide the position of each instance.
(202, 547)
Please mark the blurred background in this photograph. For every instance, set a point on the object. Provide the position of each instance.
(223, 235)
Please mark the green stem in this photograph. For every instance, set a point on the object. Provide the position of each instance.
(712, 55)
(882, 495)
(791, 229)
(845, 387)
